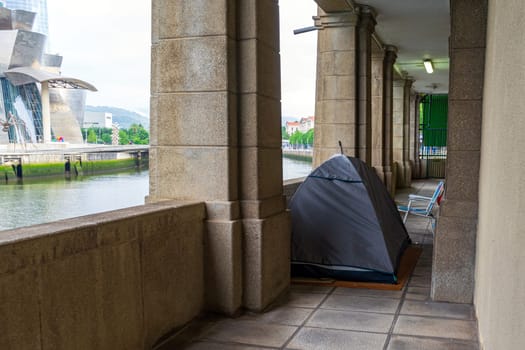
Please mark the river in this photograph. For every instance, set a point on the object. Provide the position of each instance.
(38, 201)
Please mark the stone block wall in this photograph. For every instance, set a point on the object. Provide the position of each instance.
(117, 280)
(500, 242)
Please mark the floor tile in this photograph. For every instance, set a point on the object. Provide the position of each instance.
(249, 333)
(311, 300)
(414, 343)
(218, 346)
(292, 316)
(422, 271)
(309, 288)
(437, 309)
(436, 327)
(327, 339)
(396, 294)
(351, 320)
(417, 296)
(355, 303)
(420, 281)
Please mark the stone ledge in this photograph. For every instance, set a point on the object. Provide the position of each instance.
(40, 244)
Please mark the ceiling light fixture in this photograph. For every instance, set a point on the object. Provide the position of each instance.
(429, 67)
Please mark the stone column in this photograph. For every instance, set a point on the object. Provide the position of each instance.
(398, 105)
(336, 94)
(378, 56)
(407, 168)
(388, 81)
(194, 131)
(266, 227)
(414, 124)
(364, 89)
(455, 240)
(215, 77)
(46, 112)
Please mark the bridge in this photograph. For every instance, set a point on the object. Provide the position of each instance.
(19, 156)
(58, 149)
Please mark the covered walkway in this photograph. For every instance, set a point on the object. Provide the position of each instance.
(326, 318)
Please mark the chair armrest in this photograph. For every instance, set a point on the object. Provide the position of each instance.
(418, 198)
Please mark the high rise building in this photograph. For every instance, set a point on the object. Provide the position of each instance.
(37, 6)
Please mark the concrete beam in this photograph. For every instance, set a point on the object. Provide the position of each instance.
(336, 5)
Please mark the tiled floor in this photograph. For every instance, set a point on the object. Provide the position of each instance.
(326, 318)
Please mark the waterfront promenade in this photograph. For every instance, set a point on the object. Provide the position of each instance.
(329, 318)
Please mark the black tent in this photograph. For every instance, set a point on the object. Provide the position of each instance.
(345, 225)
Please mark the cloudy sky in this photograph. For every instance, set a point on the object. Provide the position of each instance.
(107, 43)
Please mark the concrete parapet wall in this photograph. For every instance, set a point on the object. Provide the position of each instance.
(290, 186)
(117, 280)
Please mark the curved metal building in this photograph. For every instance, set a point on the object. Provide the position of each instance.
(38, 104)
(39, 7)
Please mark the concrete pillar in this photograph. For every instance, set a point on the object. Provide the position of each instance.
(407, 167)
(378, 56)
(364, 85)
(336, 93)
(194, 131)
(398, 105)
(388, 87)
(215, 77)
(401, 131)
(266, 226)
(414, 147)
(455, 240)
(46, 112)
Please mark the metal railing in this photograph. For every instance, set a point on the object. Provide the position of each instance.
(433, 151)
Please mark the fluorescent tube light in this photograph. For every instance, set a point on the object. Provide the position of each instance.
(429, 67)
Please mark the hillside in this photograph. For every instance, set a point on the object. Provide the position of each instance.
(122, 116)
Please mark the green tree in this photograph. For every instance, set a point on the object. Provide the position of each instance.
(106, 138)
(138, 135)
(284, 134)
(296, 138)
(104, 135)
(92, 136)
(309, 138)
(123, 137)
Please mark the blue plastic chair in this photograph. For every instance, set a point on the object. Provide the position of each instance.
(422, 206)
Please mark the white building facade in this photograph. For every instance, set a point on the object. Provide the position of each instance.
(97, 120)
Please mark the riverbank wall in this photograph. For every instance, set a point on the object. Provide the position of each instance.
(298, 154)
(71, 162)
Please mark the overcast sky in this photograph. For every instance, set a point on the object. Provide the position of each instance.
(107, 43)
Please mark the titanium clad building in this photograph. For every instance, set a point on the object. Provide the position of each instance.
(38, 104)
(37, 6)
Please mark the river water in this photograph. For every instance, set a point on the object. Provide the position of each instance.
(35, 202)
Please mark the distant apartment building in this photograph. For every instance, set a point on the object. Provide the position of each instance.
(97, 120)
(306, 124)
(37, 6)
(292, 127)
(302, 125)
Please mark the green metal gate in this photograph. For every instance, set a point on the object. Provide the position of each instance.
(433, 134)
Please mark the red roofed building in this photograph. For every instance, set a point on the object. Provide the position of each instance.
(303, 125)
